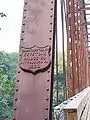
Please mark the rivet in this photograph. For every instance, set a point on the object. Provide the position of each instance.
(46, 118)
(22, 31)
(18, 71)
(24, 17)
(16, 89)
(25, 9)
(51, 8)
(48, 80)
(50, 23)
(71, 98)
(15, 108)
(48, 71)
(47, 89)
(65, 103)
(16, 99)
(17, 80)
(50, 31)
(47, 99)
(46, 108)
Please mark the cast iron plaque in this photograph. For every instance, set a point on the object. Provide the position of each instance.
(35, 59)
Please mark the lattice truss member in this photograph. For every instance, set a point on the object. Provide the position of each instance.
(78, 35)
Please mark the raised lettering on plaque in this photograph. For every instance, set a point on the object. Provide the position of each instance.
(35, 59)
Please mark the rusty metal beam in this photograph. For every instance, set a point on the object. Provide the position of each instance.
(34, 83)
(84, 8)
(86, 34)
(77, 35)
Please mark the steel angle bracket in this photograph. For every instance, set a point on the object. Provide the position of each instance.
(33, 94)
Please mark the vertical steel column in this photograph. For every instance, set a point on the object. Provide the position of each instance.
(34, 83)
(76, 50)
(71, 49)
(77, 15)
(83, 37)
(88, 51)
(88, 66)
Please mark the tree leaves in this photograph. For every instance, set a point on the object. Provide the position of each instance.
(2, 14)
(8, 63)
(60, 80)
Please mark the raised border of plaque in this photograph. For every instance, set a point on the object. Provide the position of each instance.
(35, 59)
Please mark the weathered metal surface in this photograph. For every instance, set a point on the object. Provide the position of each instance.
(76, 47)
(35, 59)
(71, 48)
(34, 73)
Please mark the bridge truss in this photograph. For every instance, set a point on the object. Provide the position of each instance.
(78, 44)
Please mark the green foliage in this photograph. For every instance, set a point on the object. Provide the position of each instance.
(60, 80)
(8, 63)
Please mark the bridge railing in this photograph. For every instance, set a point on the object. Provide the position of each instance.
(75, 108)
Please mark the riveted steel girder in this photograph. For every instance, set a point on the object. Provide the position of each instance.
(33, 94)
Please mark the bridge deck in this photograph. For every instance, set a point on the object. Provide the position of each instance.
(77, 107)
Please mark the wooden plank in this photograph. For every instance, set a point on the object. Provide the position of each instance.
(76, 107)
(85, 112)
(71, 115)
(77, 99)
(79, 104)
(88, 116)
(65, 104)
(83, 104)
